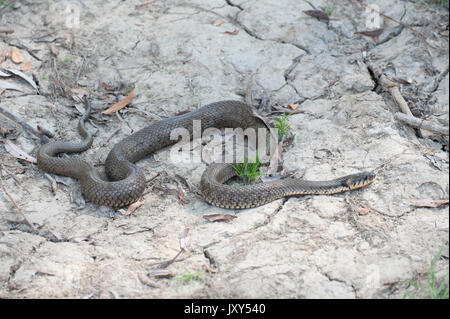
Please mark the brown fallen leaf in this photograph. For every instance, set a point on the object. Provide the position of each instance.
(401, 81)
(181, 112)
(133, 207)
(371, 33)
(144, 5)
(68, 40)
(26, 66)
(121, 104)
(16, 57)
(293, 106)
(429, 202)
(217, 23)
(15, 151)
(159, 273)
(78, 94)
(54, 50)
(320, 15)
(232, 32)
(182, 196)
(24, 77)
(219, 217)
(333, 82)
(364, 211)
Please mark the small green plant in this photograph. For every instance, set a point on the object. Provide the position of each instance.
(443, 3)
(2, 4)
(188, 277)
(282, 127)
(433, 289)
(248, 172)
(67, 59)
(329, 9)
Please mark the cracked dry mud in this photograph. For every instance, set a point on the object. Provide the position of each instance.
(178, 58)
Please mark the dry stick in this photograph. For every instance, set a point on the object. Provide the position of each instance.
(19, 210)
(25, 125)
(393, 89)
(408, 117)
(395, 92)
(419, 123)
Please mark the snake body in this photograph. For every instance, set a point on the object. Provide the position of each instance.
(127, 182)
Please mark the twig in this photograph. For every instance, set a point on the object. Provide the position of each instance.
(424, 124)
(395, 92)
(52, 182)
(25, 125)
(393, 89)
(19, 210)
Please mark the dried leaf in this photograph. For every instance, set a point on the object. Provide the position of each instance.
(54, 50)
(320, 15)
(68, 40)
(217, 23)
(144, 5)
(232, 32)
(16, 57)
(293, 106)
(401, 81)
(121, 104)
(182, 196)
(24, 77)
(133, 207)
(4, 74)
(371, 33)
(160, 273)
(219, 217)
(78, 94)
(364, 211)
(26, 67)
(15, 151)
(429, 202)
(181, 112)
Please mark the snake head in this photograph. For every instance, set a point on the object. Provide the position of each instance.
(359, 180)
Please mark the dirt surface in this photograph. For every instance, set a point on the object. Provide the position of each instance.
(179, 55)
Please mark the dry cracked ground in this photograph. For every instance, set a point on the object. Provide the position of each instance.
(180, 55)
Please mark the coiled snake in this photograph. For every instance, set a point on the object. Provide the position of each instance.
(127, 182)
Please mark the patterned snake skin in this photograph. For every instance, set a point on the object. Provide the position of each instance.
(127, 182)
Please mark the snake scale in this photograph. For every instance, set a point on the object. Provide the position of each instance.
(127, 182)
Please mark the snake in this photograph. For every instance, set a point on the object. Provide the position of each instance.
(126, 183)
